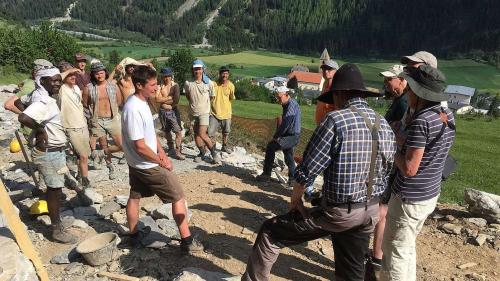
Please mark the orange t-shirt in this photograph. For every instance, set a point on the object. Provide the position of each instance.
(323, 108)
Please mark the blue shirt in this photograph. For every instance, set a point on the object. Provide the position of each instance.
(422, 133)
(290, 125)
(340, 147)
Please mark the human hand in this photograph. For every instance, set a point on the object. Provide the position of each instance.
(296, 202)
(42, 139)
(118, 68)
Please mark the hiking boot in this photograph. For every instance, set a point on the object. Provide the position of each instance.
(136, 238)
(372, 270)
(216, 157)
(96, 159)
(72, 183)
(122, 160)
(178, 155)
(86, 183)
(61, 235)
(112, 173)
(263, 178)
(226, 149)
(193, 247)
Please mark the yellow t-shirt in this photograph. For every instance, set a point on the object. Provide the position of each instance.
(221, 103)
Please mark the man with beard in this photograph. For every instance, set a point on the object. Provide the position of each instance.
(103, 98)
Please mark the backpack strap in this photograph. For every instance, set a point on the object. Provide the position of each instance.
(374, 129)
(444, 119)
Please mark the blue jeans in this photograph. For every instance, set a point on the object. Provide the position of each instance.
(287, 144)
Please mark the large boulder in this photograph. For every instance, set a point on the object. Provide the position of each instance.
(483, 204)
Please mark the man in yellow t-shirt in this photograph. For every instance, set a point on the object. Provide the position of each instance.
(221, 107)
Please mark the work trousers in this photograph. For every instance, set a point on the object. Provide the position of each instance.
(287, 144)
(349, 230)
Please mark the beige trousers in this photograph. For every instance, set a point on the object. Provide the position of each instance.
(404, 222)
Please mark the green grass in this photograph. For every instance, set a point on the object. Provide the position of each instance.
(476, 147)
(12, 78)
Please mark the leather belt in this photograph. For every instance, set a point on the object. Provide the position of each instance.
(55, 149)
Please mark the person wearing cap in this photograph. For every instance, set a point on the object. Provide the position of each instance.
(82, 78)
(420, 58)
(125, 69)
(103, 98)
(353, 147)
(17, 104)
(198, 92)
(328, 69)
(167, 96)
(74, 122)
(420, 164)
(286, 136)
(396, 87)
(220, 115)
(43, 117)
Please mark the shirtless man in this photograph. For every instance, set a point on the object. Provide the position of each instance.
(167, 96)
(103, 98)
(125, 82)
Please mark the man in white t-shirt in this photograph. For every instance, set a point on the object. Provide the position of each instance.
(150, 169)
(43, 117)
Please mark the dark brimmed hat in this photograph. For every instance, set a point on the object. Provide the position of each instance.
(166, 71)
(223, 69)
(347, 79)
(97, 66)
(426, 82)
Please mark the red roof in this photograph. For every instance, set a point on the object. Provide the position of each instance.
(306, 77)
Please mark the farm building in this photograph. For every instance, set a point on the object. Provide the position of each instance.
(306, 80)
(459, 96)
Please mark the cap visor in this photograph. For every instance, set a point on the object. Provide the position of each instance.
(387, 74)
(406, 59)
(197, 65)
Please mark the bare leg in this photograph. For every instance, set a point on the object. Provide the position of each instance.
(83, 165)
(133, 214)
(103, 142)
(53, 204)
(202, 133)
(180, 216)
(224, 139)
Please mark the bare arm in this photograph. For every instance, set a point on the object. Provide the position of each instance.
(146, 152)
(39, 130)
(186, 91)
(10, 104)
(119, 96)
(85, 97)
(176, 96)
(409, 163)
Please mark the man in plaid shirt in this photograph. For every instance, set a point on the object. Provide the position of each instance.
(354, 148)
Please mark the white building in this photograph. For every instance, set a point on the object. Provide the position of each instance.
(459, 96)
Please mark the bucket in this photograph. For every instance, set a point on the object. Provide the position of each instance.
(99, 249)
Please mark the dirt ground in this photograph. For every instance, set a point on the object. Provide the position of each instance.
(228, 208)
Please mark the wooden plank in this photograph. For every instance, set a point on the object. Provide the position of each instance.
(27, 159)
(116, 276)
(22, 238)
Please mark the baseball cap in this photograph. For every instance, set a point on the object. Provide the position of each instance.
(392, 71)
(80, 57)
(422, 57)
(198, 63)
(166, 71)
(223, 69)
(97, 66)
(331, 64)
(282, 89)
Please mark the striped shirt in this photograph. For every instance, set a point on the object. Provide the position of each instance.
(422, 133)
(340, 147)
(290, 126)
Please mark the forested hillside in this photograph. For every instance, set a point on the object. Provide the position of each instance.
(368, 28)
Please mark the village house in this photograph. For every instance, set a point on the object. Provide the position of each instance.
(459, 96)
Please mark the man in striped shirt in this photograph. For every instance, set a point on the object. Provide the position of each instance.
(420, 164)
(353, 147)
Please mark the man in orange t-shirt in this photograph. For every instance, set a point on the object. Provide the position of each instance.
(328, 70)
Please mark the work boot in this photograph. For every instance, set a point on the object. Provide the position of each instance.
(61, 235)
(72, 183)
(136, 238)
(112, 174)
(96, 159)
(190, 248)
(215, 156)
(263, 178)
(227, 149)
(86, 183)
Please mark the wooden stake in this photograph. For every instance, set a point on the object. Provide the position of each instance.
(22, 238)
(116, 276)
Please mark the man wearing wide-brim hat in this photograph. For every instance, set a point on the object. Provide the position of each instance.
(340, 148)
(420, 164)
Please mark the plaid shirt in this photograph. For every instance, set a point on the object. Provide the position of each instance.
(341, 148)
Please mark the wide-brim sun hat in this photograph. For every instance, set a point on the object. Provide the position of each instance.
(426, 82)
(347, 79)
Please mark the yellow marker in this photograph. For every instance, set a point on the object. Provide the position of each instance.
(14, 146)
(39, 207)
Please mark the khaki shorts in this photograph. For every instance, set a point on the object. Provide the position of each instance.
(201, 120)
(155, 181)
(110, 126)
(79, 139)
(215, 123)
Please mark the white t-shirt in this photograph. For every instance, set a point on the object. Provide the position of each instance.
(48, 114)
(36, 95)
(137, 123)
(199, 97)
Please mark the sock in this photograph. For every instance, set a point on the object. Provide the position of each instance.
(187, 240)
